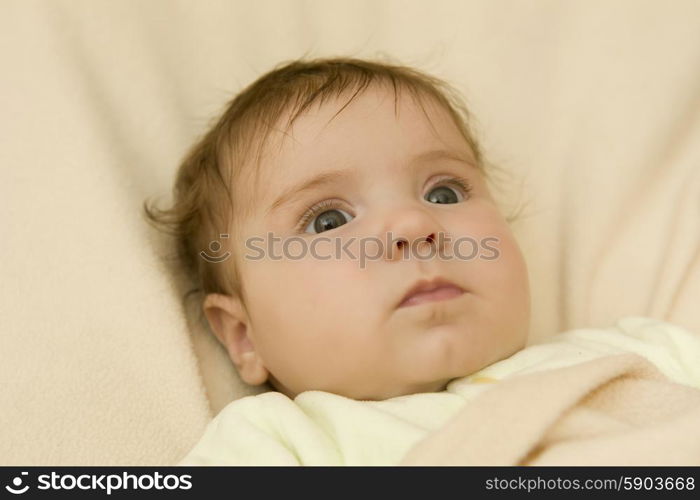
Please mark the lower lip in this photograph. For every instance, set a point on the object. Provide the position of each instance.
(442, 293)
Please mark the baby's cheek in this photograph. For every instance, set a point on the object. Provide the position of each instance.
(511, 264)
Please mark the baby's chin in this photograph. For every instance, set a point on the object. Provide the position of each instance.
(360, 394)
(437, 386)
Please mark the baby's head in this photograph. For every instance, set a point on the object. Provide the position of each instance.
(344, 185)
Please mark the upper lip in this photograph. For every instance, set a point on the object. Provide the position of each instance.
(427, 286)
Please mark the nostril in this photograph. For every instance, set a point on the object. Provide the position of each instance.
(431, 238)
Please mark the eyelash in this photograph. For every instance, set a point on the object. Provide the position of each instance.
(321, 207)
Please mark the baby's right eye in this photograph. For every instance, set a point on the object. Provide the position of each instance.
(329, 220)
(329, 217)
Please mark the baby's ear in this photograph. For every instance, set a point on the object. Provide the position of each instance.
(229, 322)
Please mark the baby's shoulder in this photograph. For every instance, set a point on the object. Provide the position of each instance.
(265, 402)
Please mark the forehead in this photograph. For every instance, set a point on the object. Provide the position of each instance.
(378, 129)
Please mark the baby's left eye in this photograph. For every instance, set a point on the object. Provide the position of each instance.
(446, 194)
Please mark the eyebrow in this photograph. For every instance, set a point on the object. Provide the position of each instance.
(340, 176)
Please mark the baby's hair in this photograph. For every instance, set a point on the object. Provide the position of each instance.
(205, 203)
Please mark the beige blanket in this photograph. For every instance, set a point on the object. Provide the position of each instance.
(594, 106)
(617, 410)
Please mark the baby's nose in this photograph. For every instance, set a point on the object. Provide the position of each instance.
(410, 232)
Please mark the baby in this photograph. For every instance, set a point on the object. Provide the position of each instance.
(366, 273)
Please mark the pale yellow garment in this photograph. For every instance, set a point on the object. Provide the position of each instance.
(320, 428)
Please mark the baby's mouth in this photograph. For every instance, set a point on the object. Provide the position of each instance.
(430, 291)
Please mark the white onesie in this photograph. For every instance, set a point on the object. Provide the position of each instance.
(321, 428)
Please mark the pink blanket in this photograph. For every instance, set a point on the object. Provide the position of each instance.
(617, 410)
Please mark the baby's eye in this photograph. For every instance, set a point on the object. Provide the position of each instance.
(325, 221)
(445, 194)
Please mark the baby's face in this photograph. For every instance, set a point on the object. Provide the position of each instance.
(338, 324)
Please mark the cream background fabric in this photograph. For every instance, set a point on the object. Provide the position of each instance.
(594, 106)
